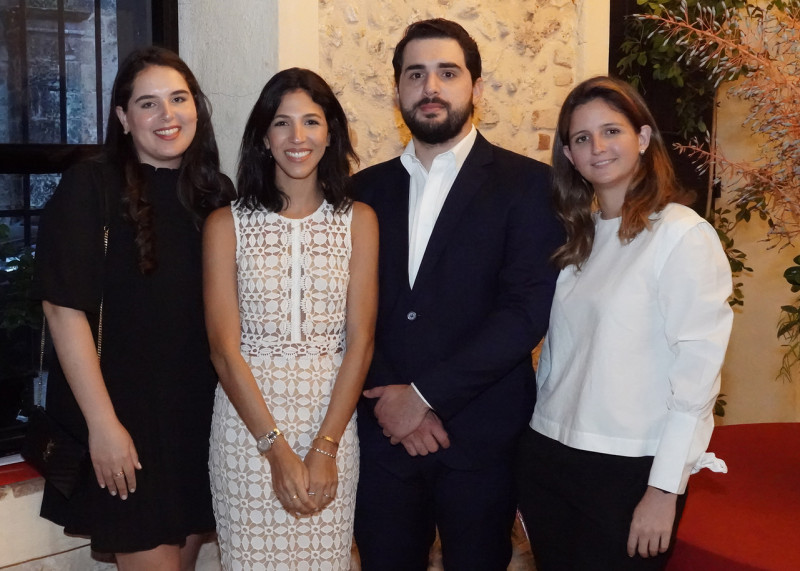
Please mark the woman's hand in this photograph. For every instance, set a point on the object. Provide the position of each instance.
(324, 476)
(290, 479)
(111, 448)
(114, 458)
(651, 526)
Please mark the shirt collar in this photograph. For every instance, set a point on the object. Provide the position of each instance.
(458, 152)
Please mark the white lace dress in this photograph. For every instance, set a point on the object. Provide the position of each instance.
(293, 277)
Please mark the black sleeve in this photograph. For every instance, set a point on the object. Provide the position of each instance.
(69, 251)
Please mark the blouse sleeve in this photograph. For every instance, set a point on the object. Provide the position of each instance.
(69, 251)
(694, 287)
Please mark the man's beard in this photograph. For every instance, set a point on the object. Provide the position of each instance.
(439, 132)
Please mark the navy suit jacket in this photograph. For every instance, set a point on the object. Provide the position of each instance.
(479, 305)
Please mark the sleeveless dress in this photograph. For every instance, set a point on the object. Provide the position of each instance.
(292, 283)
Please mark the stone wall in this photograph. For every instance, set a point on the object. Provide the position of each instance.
(529, 51)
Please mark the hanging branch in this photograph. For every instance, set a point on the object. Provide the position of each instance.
(759, 46)
(758, 49)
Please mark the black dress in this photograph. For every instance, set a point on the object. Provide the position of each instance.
(155, 357)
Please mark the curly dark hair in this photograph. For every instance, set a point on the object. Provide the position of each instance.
(435, 29)
(653, 186)
(256, 173)
(201, 186)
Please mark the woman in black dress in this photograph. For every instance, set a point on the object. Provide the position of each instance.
(145, 408)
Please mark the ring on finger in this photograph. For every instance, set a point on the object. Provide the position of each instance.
(294, 497)
(312, 493)
(119, 474)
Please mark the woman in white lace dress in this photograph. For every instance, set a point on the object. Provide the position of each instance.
(290, 283)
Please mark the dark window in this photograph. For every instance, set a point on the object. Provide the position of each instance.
(58, 59)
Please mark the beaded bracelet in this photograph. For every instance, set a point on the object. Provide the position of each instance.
(328, 454)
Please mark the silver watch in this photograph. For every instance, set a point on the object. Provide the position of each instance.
(264, 443)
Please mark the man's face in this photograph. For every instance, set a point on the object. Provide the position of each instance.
(435, 90)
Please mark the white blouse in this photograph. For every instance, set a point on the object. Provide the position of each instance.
(631, 362)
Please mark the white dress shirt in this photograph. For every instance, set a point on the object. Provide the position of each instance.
(427, 192)
(631, 362)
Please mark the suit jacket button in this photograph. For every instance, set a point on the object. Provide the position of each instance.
(412, 315)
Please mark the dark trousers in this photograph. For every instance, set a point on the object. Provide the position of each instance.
(396, 518)
(577, 506)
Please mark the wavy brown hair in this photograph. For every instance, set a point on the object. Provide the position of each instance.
(653, 186)
(201, 187)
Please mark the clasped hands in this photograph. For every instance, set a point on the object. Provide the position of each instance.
(304, 487)
(407, 420)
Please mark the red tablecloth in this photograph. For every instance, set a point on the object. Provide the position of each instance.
(749, 518)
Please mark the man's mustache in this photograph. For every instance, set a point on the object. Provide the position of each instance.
(428, 100)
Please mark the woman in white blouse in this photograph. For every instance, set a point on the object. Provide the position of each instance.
(630, 367)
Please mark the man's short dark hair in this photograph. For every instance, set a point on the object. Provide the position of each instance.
(439, 28)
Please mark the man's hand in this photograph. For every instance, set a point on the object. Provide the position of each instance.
(399, 409)
(427, 438)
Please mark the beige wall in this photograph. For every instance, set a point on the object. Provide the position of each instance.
(232, 56)
(755, 353)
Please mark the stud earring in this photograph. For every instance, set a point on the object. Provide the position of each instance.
(641, 152)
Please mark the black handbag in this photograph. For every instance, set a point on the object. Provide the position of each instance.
(57, 455)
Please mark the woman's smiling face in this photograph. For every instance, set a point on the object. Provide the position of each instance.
(297, 138)
(604, 146)
(161, 116)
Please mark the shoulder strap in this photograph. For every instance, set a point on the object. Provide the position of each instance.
(100, 178)
(40, 386)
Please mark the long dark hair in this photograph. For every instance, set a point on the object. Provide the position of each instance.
(652, 188)
(201, 187)
(256, 173)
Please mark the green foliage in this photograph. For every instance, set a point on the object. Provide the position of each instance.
(792, 274)
(719, 405)
(789, 324)
(15, 284)
(650, 54)
(724, 224)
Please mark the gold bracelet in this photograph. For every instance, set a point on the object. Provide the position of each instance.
(328, 454)
(327, 439)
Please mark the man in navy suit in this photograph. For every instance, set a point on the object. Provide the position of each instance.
(466, 233)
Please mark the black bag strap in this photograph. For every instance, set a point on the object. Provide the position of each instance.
(102, 186)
